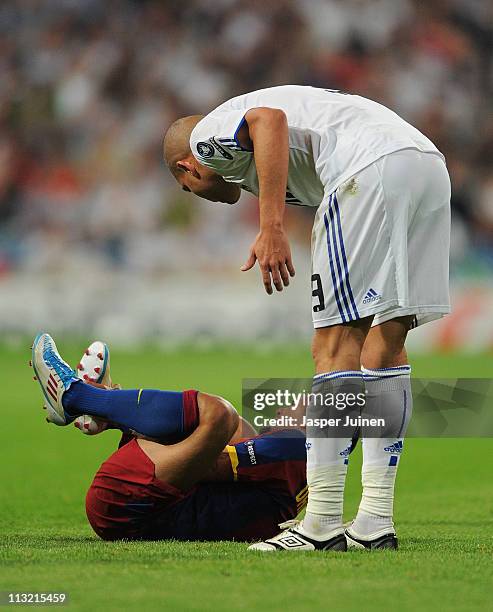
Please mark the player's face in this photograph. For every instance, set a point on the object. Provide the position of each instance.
(207, 184)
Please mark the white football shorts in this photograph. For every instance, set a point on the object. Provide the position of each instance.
(380, 243)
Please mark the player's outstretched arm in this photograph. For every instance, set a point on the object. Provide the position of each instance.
(266, 131)
(182, 465)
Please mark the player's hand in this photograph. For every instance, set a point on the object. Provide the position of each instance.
(271, 249)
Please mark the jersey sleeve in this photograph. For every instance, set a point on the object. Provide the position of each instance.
(214, 141)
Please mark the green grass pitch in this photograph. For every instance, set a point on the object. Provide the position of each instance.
(444, 509)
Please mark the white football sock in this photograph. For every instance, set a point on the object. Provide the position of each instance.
(388, 393)
(326, 498)
(327, 461)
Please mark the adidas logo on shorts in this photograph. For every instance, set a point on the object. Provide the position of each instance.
(371, 296)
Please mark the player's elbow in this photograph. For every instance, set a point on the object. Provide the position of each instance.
(218, 414)
(227, 414)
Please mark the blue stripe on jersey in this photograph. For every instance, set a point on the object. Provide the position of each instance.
(233, 143)
(331, 262)
(344, 259)
(235, 137)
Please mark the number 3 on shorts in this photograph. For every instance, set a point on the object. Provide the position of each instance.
(317, 293)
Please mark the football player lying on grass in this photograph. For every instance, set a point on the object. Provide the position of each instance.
(200, 481)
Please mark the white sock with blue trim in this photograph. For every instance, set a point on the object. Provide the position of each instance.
(327, 462)
(388, 392)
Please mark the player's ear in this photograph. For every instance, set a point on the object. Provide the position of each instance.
(188, 166)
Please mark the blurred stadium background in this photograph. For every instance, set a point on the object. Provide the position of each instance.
(97, 240)
(95, 237)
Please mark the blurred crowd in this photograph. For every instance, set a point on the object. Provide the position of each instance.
(87, 89)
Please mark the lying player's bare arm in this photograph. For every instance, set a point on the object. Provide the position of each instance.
(196, 464)
(266, 132)
(222, 470)
(184, 464)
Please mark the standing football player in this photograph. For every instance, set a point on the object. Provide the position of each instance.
(380, 252)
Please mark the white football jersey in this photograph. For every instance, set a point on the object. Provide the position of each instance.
(332, 136)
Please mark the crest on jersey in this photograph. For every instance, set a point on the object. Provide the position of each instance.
(205, 149)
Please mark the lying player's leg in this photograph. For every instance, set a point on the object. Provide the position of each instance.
(166, 415)
(91, 370)
(388, 395)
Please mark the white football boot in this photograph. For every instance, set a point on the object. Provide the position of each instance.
(292, 539)
(383, 539)
(94, 366)
(54, 376)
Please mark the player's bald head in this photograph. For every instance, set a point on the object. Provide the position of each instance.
(176, 144)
